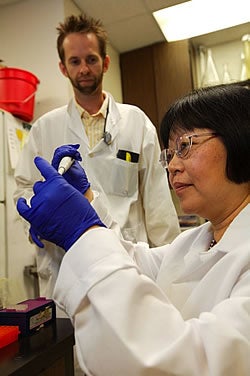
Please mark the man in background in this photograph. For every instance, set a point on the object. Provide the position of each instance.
(118, 144)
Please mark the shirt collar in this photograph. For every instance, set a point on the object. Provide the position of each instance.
(102, 111)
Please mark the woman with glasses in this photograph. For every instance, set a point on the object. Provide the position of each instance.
(181, 309)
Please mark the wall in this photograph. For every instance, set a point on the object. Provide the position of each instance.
(112, 78)
(28, 41)
(29, 28)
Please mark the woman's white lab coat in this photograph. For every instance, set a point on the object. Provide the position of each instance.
(135, 192)
(174, 310)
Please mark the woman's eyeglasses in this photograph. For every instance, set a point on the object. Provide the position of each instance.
(183, 146)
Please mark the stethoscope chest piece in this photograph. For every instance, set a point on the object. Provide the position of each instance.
(107, 138)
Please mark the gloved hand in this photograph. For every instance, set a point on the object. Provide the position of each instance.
(76, 175)
(57, 212)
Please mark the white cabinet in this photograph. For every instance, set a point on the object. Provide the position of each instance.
(15, 250)
(226, 47)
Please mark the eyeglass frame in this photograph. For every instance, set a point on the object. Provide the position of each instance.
(163, 156)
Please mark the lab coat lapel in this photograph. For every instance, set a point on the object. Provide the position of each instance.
(112, 126)
(75, 123)
(206, 267)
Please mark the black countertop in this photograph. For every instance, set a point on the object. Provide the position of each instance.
(46, 352)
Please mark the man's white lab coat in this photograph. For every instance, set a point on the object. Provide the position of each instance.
(173, 310)
(135, 192)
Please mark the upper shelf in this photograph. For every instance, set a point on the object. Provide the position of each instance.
(222, 36)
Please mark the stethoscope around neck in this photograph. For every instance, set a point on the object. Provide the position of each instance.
(107, 137)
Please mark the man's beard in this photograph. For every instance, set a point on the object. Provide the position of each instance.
(87, 90)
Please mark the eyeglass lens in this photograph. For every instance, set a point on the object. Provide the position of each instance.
(183, 146)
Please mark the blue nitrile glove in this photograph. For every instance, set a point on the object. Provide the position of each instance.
(58, 212)
(76, 175)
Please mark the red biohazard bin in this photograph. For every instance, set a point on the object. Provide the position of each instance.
(17, 92)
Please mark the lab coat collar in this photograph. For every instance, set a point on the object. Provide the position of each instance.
(112, 125)
(113, 118)
(230, 240)
(75, 122)
(240, 225)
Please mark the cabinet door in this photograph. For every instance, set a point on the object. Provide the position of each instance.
(138, 80)
(172, 70)
(154, 76)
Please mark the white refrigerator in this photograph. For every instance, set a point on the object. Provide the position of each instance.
(18, 279)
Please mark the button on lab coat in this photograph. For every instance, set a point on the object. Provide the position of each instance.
(174, 310)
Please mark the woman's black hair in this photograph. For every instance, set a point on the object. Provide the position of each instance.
(225, 109)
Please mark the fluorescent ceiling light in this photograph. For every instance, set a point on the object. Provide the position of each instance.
(197, 17)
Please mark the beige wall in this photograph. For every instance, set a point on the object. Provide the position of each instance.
(112, 78)
(28, 41)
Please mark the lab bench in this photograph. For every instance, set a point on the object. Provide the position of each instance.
(47, 352)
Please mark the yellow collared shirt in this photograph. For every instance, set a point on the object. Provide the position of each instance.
(94, 124)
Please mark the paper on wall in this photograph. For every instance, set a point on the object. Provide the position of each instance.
(17, 132)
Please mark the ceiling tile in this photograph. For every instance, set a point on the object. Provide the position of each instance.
(112, 11)
(135, 32)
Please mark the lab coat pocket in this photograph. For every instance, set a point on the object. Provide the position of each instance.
(124, 178)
